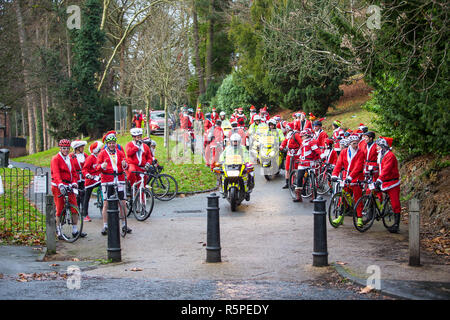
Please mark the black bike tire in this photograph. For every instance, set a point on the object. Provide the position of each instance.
(62, 217)
(307, 185)
(292, 179)
(165, 197)
(334, 199)
(148, 212)
(390, 214)
(233, 198)
(327, 181)
(364, 198)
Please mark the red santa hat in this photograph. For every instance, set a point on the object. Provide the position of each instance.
(311, 116)
(95, 147)
(252, 107)
(240, 109)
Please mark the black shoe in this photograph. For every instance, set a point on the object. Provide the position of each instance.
(286, 186)
(105, 231)
(394, 229)
(128, 229)
(82, 234)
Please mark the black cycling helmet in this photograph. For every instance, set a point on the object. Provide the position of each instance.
(370, 134)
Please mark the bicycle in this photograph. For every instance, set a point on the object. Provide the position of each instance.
(67, 219)
(373, 210)
(163, 186)
(341, 203)
(142, 198)
(124, 229)
(309, 183)
(324, 178)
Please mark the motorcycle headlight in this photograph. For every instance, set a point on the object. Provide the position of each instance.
(272, 153)
(233, 173)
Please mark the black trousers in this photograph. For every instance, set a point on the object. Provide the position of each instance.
(87, 197)
(300, 175)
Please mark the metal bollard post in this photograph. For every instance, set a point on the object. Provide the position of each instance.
(114, 251)
(414, 233)
(320, 253)
(50, 225)
(213, 230)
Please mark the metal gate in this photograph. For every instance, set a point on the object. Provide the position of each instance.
(22, 200)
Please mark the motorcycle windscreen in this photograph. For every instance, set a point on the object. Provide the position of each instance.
(233, 159)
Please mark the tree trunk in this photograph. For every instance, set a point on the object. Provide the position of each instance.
(209, 44)
(166, 128)
(198, 65)
(26, 78)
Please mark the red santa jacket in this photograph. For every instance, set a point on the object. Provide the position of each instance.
(241, 119)
(337, 134)
(389, 175)
(63, 171)
(207, 124)
(293, 142)
(113, 166)
(199, 116)
(329, 156)
(371, 158)
(321, 136)
(214, 117)
(299, 126)
(308, 153)
(215, 136)
(79, 160)
(352, 164)
(91, 167)
(138, 155)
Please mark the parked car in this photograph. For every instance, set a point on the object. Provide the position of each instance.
(157, 122)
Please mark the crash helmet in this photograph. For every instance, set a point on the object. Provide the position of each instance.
(235, 139)
(136, 132)
(64, 143)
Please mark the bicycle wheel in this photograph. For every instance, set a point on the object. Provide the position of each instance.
(292, 183)
(99, 202)
(308, 186)
(388, 214)
(66, 223)
(142, 208)
(336, 208)
(368, 212)
(324, 183)
(164, 187)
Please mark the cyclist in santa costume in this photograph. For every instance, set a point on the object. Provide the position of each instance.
(92, 175)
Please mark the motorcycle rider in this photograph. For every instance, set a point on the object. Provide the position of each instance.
(237, 129)
(236, 148)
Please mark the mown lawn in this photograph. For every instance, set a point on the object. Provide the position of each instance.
(20, 220)
(191, 173)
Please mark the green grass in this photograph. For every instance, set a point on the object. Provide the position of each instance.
(191, 175)
(20, 220)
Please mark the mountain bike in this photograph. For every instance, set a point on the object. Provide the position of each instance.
(324, 177)
(70, 216)
(309, 183)
(341, 202)
(142, 198)
(372, 209)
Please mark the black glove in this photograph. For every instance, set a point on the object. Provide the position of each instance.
(63, 190)
(334, 179)
(348, 180)
(378, 184)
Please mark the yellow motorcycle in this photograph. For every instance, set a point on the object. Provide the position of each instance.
(270, 156)
(236, 179)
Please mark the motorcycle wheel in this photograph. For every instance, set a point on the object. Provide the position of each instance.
(268, 177)
(233, 198)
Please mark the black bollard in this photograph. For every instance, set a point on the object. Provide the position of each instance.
(114, 251)
(213, 230)
(320, 253)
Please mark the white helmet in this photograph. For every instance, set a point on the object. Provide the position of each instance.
(77, 143)
(353, 138)
(136, 132)
(272, 121)
(235, 137)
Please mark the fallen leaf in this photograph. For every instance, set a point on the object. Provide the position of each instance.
(75, 259)
(136, 269)
(54, 265)
(366, 289)
(341, 263)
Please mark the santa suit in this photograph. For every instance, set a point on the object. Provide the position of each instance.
(79, 159)
(137, 158)
(114, 171)
(329, 156)
(184, 121)
(293, 142)
(308, 154)
(215, 138)
(352, 163)
(63, 174)
(265, 117)
(390, 178)
(91, 167)
(199, 116)
(337, 133)
(252, 114)
(300, 125)
(214, 117)
(241, 119)
(321, 136)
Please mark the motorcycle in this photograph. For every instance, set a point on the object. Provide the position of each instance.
(270, 156)
(255, 143)
(236, 179)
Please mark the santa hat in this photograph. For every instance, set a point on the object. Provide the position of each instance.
(240, 109)
(252, 107)
(112, 132)
(311, 116)
(95, 147)
(213, 109)
(388, 140)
